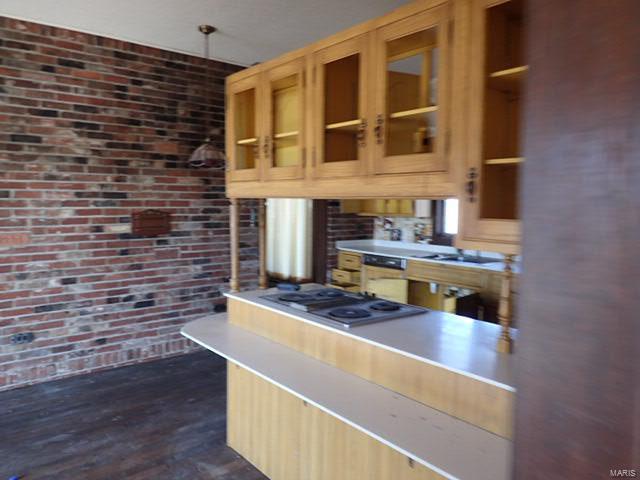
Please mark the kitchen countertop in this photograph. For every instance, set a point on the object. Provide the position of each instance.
(456, 343)
(408, 252)
(453, 448)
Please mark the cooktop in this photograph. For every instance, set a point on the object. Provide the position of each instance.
(343, 308)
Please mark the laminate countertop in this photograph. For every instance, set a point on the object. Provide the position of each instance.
(413, 252)
(453, 342)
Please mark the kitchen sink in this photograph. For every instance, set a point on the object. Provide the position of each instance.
(457, 258)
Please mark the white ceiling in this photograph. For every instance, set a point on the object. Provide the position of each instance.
(249, 30)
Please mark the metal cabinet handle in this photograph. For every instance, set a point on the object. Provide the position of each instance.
(266, 146)
(378, 129)
(470, 186)
(362, 133)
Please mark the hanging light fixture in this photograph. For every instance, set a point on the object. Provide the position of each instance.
(206, 155)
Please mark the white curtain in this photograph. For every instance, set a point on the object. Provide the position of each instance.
(289, 237)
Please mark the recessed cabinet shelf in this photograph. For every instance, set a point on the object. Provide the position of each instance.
(510, 79)
(247, 141)
(513, 73)
(504, 161)
(413, 112)
(286, 135)
(350, 125)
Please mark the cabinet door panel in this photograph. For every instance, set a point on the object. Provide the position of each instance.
(412, 76)
(285, 120)
(490, 198)
(244, 129)
(340, 83)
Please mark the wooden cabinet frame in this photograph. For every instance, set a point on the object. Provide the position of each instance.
(476, 232)
(234, 174)
(437, 17)
(356, 45)
(295, 67)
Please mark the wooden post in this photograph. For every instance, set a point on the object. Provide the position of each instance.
(234, 234)
(505, 309)
(262, 239)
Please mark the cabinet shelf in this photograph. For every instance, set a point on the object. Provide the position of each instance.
(508, 79)
(247, 141)
(504, 161)
(413, 112)
(347, 125)
(278, 136)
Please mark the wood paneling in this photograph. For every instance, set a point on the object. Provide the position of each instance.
(578, 410)
(289, 439)
(477, 402)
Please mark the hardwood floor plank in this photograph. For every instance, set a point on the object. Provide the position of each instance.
(158, 420)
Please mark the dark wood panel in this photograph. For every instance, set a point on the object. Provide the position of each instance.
(578, 409)
(164, 420)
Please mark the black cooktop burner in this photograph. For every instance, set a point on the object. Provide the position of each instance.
(349, 312)
(294, 297)
(330, 293)
(384, 306)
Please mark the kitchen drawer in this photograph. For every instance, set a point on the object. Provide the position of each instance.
(345, 276)
(349, 261)
(447, 275)
(345, 286)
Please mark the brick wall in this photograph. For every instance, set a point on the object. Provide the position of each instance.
(344, 226)
(91, 130)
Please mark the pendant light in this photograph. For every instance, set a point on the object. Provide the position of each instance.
(207, 155)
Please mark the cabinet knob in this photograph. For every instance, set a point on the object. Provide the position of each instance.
(266, 147)
(378, 129)
(362, 133)
(470, 187)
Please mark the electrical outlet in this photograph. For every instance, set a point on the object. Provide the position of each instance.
(20, 338)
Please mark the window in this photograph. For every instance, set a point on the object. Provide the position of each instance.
(445, 221)
(289, 238)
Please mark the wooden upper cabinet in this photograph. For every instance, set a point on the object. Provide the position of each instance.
(411, 121)
(284, 120)
(340, 108)
(244, 129)
(490, 210)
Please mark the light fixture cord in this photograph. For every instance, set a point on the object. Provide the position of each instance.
(206, 87)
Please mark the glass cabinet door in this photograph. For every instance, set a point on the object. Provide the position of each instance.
(285, 120)
(243, 129)
(411, 105)
(491, 199)
(340, 101)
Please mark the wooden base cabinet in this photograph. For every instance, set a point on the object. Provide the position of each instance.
(490, 213)
(289, 439)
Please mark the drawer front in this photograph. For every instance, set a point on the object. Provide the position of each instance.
(345, 276)
(371, 272)
(349, 261)
(346, 287)
(461, 277)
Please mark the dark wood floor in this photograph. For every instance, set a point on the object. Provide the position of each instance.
(159, 420)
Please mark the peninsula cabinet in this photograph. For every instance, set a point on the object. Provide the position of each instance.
(489, 197)
(362, 114)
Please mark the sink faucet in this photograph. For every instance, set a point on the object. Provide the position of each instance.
(460, 253)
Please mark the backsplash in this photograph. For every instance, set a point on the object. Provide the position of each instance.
(403, 229)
